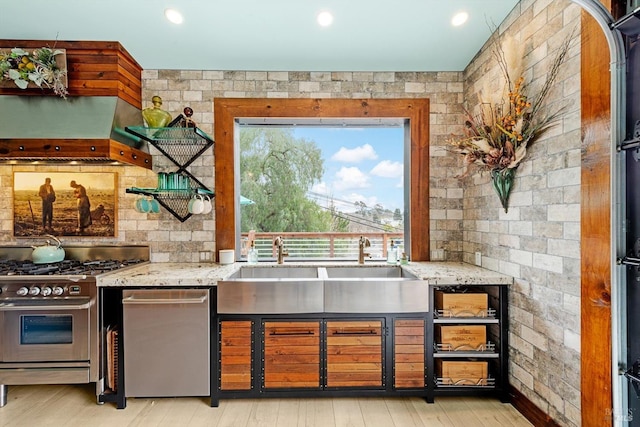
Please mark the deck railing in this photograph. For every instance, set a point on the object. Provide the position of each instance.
(321, 246)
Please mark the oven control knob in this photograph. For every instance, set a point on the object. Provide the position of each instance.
(57, 290)
(34, 291)
(22, 291)
(46, 291)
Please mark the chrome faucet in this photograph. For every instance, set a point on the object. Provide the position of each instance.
(278, 243)
(363, 243)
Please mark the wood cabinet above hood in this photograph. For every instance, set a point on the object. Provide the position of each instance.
(104, 83)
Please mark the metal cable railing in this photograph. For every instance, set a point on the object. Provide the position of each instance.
(321, 246)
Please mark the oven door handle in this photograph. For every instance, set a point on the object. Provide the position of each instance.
(56, 307)
(133, 300)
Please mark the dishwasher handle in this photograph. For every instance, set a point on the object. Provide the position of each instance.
(162, 301)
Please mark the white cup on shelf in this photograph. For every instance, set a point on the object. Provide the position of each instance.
(196, 204)
(208, 207)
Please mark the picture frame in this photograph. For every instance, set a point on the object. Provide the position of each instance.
(81, 204)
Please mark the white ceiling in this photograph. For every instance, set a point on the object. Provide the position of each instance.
(268, 35)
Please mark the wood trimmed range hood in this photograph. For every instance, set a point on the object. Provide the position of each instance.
(83, 129)
(105, 90)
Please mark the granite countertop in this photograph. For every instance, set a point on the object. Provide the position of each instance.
(208, 274)
(168, 274)
(457, 273)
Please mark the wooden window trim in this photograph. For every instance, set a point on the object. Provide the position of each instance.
(228, 110)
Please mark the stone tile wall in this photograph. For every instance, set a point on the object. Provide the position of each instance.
(538, 240)
(197, 89)
(172, 241)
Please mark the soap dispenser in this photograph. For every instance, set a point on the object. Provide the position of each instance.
(392, 254)
(252, 255)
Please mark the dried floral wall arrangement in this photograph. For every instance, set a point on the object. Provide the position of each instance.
(40, 67)
(496, 138)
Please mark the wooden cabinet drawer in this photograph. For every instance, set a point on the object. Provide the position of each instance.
(354, 353)
(452, 304)
(461, 337)
(291, 354)
(462, 373)
(235, 355)
(409, 353)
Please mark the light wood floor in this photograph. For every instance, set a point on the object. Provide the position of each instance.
(76, 406)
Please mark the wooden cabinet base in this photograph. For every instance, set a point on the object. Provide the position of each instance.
(408, 349)
(235, 355)
(336, 355)
(354, 353)
(291, 354)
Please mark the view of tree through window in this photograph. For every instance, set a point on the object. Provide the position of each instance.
(321, 188)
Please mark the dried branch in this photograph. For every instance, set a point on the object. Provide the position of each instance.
(498, 137)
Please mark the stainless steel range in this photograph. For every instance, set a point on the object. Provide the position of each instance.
(49, 314)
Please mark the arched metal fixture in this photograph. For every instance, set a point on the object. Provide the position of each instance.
(613, 33)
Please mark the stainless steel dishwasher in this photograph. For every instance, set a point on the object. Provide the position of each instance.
(166, 342)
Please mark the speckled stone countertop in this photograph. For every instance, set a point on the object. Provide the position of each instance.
(457, 273)
(168, 274)
(208, 274)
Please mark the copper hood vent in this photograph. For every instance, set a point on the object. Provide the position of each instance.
(86, 129)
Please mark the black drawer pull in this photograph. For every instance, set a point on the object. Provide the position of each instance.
(276, 333)
(371, 332)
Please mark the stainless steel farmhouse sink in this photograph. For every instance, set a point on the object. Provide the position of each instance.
(322, 272)
(279, 272)
(376, 295)
(271, 290)
(373, 289)
(367, 271)
(331, 289)
(270, 296)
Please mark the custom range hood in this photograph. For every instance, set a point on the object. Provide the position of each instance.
(86, 129)
(105, 95)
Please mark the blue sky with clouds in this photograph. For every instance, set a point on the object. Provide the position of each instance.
(361, 164)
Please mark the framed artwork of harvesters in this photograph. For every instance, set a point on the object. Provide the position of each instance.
(64, 204)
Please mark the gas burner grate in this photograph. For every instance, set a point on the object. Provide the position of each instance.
(66, 267)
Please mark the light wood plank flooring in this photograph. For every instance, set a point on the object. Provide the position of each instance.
(76, 406)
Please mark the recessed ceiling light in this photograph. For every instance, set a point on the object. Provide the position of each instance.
(173, 16)
(459, 19)
(325, 18)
